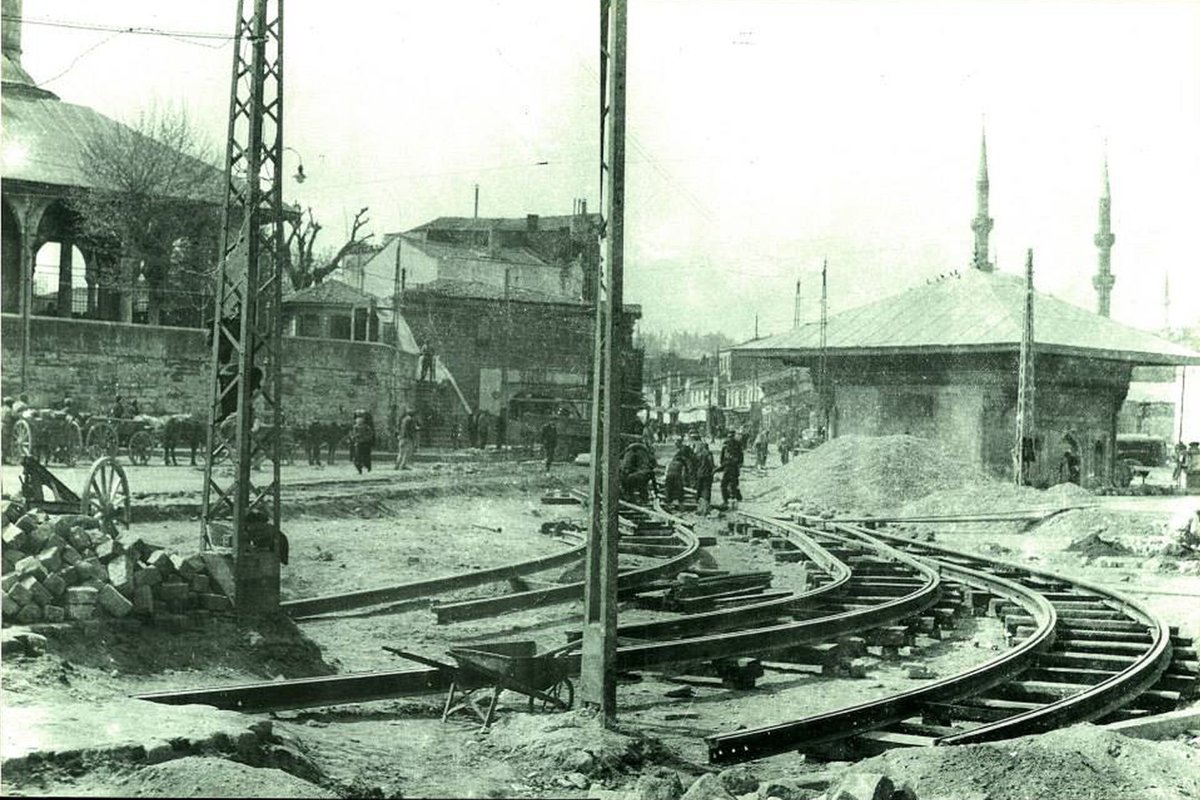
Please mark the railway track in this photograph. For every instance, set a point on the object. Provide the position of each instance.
(1079, 653)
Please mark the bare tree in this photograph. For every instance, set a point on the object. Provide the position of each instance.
(306, 269)
(154, 204)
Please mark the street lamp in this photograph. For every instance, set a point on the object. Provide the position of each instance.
(299, 177)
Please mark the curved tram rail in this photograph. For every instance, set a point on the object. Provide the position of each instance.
(1080, 653)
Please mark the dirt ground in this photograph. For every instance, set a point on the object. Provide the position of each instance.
(351, 533)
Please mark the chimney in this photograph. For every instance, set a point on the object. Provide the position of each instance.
(12, 31)
(531, 222)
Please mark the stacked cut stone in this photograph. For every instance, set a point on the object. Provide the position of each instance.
(69, 568)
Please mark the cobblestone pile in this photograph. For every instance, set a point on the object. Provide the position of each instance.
(69, 568)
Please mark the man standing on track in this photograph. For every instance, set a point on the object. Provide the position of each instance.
(731, 468)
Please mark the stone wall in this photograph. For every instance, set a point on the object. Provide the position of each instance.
(543, 347)
(969, 404)
(166, 369)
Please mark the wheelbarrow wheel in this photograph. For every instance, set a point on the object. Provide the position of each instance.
(564, 690)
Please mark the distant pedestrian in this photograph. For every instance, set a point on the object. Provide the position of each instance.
(362, 440)
(7, 418)
(732, 456)
(427, 363)
(1068, 468)
(135, 410)
(549, 442)
(704, 478)
(760, 448)
(482, 424)
(785, 448)
(406, 441)
(118, 410)
(473, 429)
(502, 427)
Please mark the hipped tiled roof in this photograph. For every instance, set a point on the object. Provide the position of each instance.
(330, 293)
(971, 312)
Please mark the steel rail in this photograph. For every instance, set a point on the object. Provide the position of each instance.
(537, 598)
(1099, 699)
(842, 723)
(362, 687)
(767, 639)
(326, 604)
(323, 690)
(714, 621)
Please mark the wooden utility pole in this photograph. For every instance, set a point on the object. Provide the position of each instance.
(823, 355)
(1025, 380)
(598, 682)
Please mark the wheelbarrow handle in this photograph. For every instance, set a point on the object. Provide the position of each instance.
(429, 662)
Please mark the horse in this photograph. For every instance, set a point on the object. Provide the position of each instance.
(320, 434)
(180, 429)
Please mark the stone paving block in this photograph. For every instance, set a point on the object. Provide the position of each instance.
(30, 614)
(10, 606)
(98, 537)
(8, 581)
(55, 585)
(193, 565)
(215, 602)
(200, 584)
(120, 575)
(161, 561)
(79, 539)
(30, 565)
(36, 590)
(19, 593)
(143, 600)
(82, 595)
(81, 611)
(173, 591)
(14, 538)
(50, 558)
(69, 575)
(109, 549)
(147, 576)
(53, 613)
(70, 556)
(113, 601)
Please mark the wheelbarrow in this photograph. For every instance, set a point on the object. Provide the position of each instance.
(481, 673)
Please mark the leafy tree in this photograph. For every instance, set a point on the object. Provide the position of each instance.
(155, 208)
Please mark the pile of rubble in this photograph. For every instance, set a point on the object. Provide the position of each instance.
(70, 568)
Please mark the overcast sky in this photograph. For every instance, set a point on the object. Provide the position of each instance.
(763, 136)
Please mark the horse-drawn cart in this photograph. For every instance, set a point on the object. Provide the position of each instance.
(107, 436)
(48, 436)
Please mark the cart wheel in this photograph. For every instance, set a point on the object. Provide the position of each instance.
(564, 690)
(141, 445)
(72, 448)
(22, 438)
(106, 494)
(101, 440)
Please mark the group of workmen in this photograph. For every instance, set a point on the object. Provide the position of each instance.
(693, 465)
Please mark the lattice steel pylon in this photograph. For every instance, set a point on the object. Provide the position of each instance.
(239, 517)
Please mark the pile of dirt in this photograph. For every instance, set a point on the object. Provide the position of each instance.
(995, 496)
(1098, 545)
(198, 776)
(572, 742)
(1131, 528)
(861, 474)
(1083, 761)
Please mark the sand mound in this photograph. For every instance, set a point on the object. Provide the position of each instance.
(1076, 763)
(196, 776)
(995, 496)
(1133, 528)
(864, 474)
